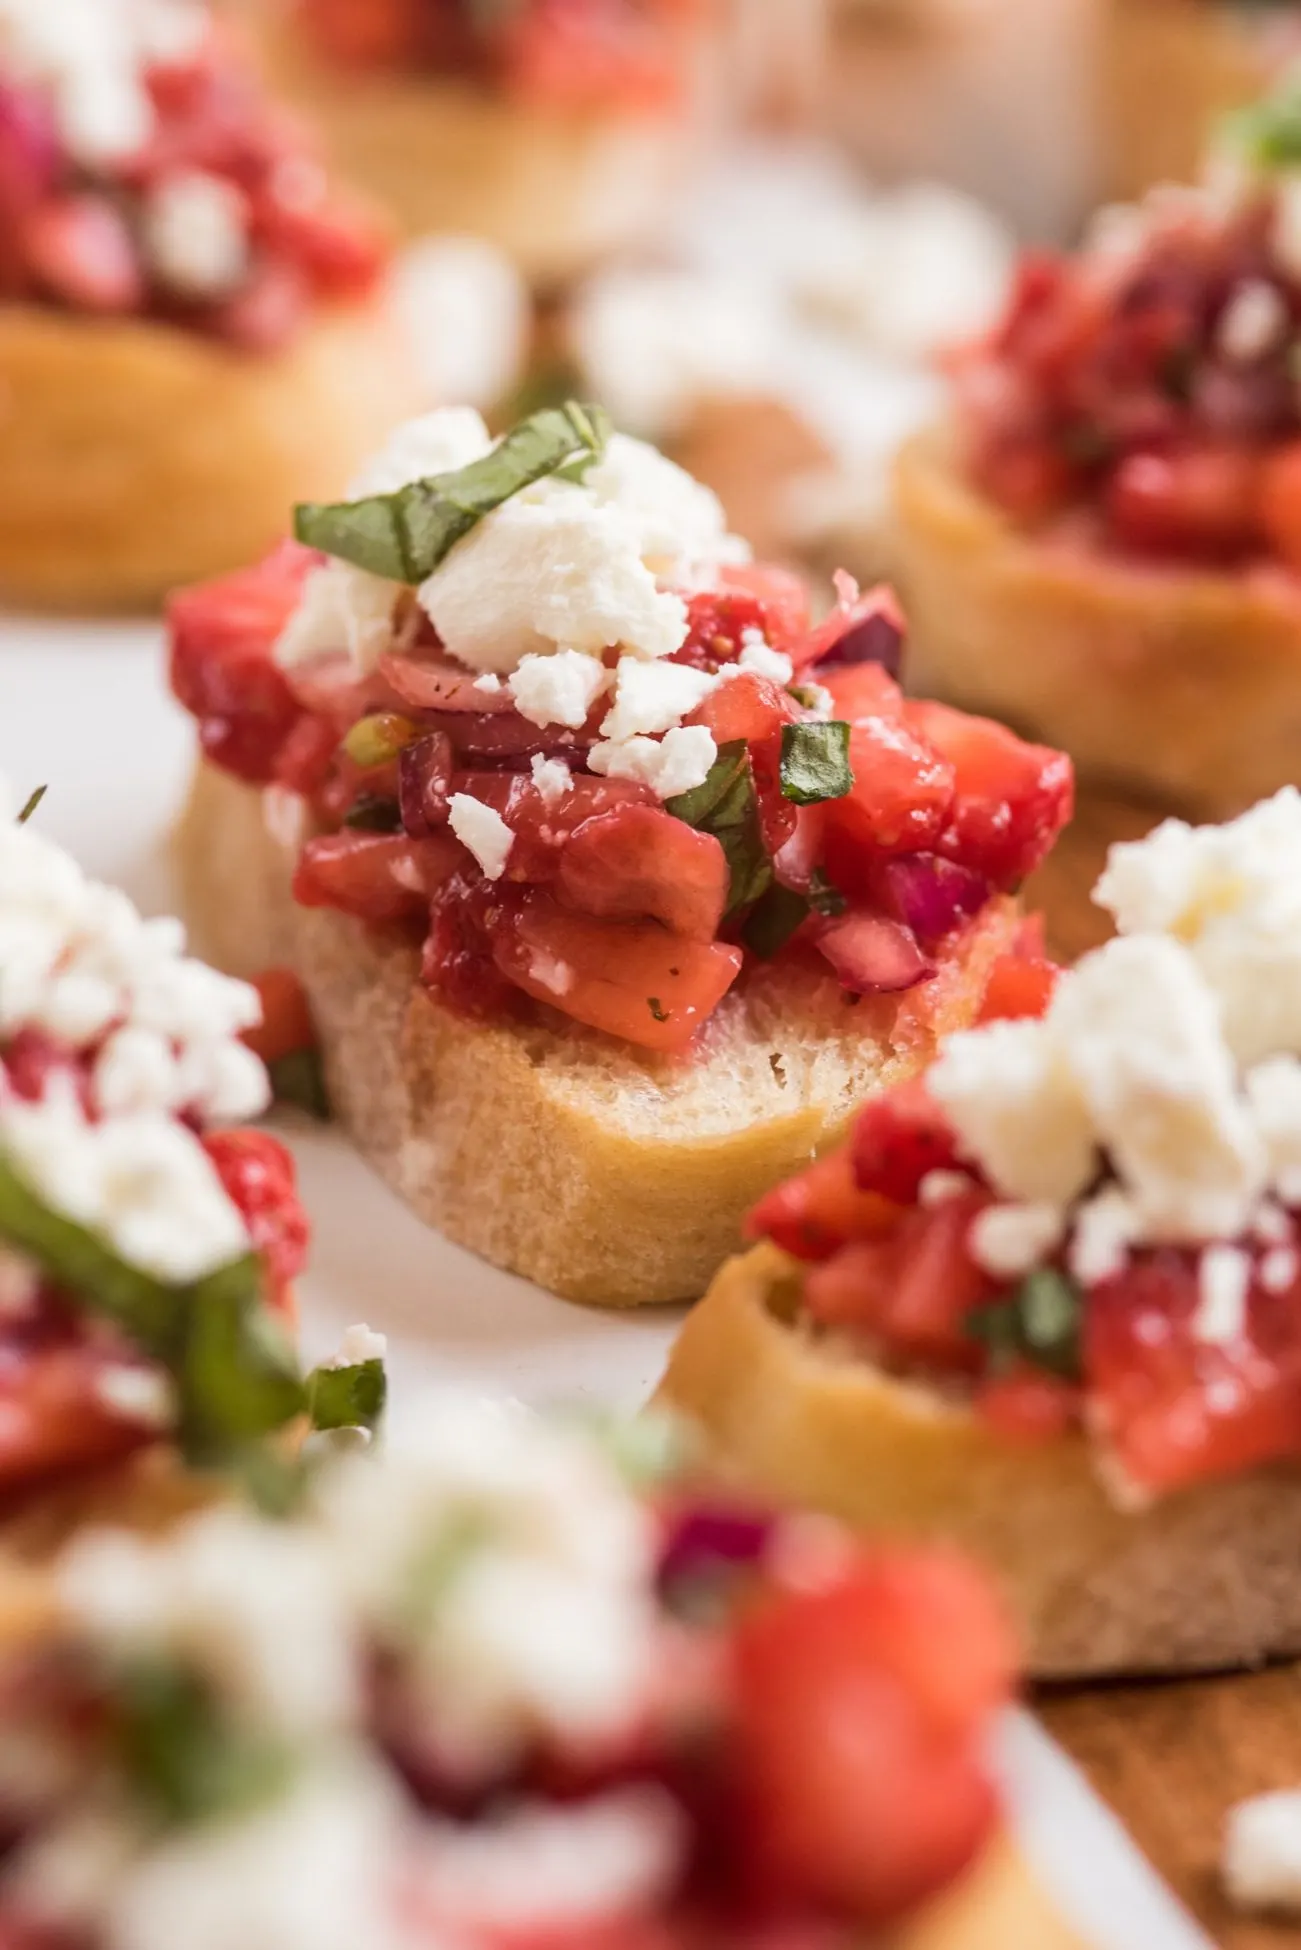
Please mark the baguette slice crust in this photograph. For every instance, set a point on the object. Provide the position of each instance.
(996, 1906)
(1206, 1579)
(134, 455)
(606, 1174)
(1181, 686)
(556, 190)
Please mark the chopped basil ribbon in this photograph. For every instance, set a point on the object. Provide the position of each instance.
(1268, 132)
(725, 805)
(781, 911)
(182, 1757)
(32, 803)
(349, 1397)
(298, 1078)
(1039, 1323)
(815, 762)
(232, 1366)
(406, 534)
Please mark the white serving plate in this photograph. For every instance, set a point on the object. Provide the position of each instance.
(84, 710)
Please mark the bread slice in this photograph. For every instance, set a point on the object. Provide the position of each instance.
(997, 1905)
(608, 1174)
(1182, 686)
(134, 455)
(1205, 1579)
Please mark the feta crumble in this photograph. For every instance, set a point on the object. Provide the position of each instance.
(651, 697)
(1224, 1280)
(195, 229)
(677, 762)
(483, 830)
(552, 777)
(1261, 1863)
(1253, 322)
(1009, 1241)
(559, 689)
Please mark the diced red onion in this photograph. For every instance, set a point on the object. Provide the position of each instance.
(931, 895)
(424, 783)
(508, 737)
(873, 954)
(706, 1537)
(442, 686)
(29, 148)
(876, 638)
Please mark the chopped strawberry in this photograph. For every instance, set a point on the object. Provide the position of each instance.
(80, 250)
(1011, 798)
(873, 954)
(914, 1286)
(1280, 502)
(1201, 501)
(862, 632)
(268, 313)
(901, 794)
(286, 1024)
(1028, 1405)
(543, 822)
(860, 691)
(378, 877)
(260, 1180)
(336, 240)
(819, 1210)
(899, 1136)
(782, 596)
(746, 707)
(636, 862)
(1019, 985)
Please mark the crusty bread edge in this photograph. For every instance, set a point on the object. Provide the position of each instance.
(1179, 686)
(1206, 1579)
(135, 455)
(997, 1905)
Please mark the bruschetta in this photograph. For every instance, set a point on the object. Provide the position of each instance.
(193, 327)
(614, 883)
(147, 1251)
(1046, 1303)
(557, 133)
(479, 1691)
(1103, 545)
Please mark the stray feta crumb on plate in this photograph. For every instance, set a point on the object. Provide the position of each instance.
(1261, 1862)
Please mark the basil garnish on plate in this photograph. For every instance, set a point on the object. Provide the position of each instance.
(1039, 1323)
(349, 1397)
(406, 534)
(815, 762)
(725, 805)
(33, 801)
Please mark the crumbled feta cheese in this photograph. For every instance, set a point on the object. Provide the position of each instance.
(143, 1395)
(677, 762)
(938, 1187)
(551, 972)
(650, 697)
(195, 229)
(436, 443)
(1105, 1227)
(1253, 322)
(763, 660)
(341, 608)
(359, 1344)
(1143, 1039)
(1223, 1283)
(469, 315)
(483, 830)
(1009, 1241)
(1018, 1111)
(552, 777)
(559, 689)
(1261, 1862)
(677, 523)
(1279, 1268)
(136, 1070)
(489, 683)
(1274, 1095)
(90, 56)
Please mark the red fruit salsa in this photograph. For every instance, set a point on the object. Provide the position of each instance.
(144, 173)
(569, 53)
(576, 862)
(1151, 381)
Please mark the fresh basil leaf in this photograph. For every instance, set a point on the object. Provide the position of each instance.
(181, 1755)
(825, 899)
(1039, 1323)
(298, 1078)
(773, 920)
(33, 802)
(347, 1398)
(725, 805)
(815, 762)
(1268, 132)
(370, 813)
(406, 534)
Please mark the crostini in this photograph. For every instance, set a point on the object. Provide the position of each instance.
(615, 884)
(478, 1691)
(192, 323)
(147, 1252)
(1048, 1301)
(1103, 546)
(556, 132)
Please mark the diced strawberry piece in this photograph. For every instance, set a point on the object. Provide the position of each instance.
(457, 963)
(814, 1214)
(306, 758)
(1200, 501)
(746, 707)
(1028, 476)
(1011, 798)
(541, 824)
(854, 1799)
(900, 1136)
(1019, 985)
(286, 1024)
(631, 979)
(914, 1287)
(1029, 1405)
(262, 1183)
(367, 33)
(860, 691)
(717, 623)
(782, 595)
(901, 794)
(268, 312)
(863, 632)
(637, 862)
(376, 877)
(1280, 502)
(435, 683)
(79, 249)
(873, 954)
(53, 1413)
(337, 241)
(778, 815)
(798, 857)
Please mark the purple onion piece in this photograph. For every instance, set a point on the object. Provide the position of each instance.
(706, 1538)
(873, 954)
(424, 784)
(29, 145)
(873, 639)
(931, 895)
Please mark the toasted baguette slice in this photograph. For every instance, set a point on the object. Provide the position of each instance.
(607, 1174)
(134, 456)
(997, 1905)
(1206, 1579)
(1182, 686)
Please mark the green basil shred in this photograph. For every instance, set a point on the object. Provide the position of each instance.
(1039, 1323)
(725, 804)
(815, 761)
(33, 801)
(406, 534)
(351, 1397)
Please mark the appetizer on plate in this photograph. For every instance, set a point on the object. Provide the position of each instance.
(1048, 1301)
(1104, 545)
(147, 1252)
(478, 1692)
(614, 883)
(192, 327)
(556, 130)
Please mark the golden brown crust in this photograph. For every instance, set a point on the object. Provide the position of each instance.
(609, 1175)
(997, 1905)
(1181, 686)
(555, 189)
(135, 456)
(1204, 1579)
